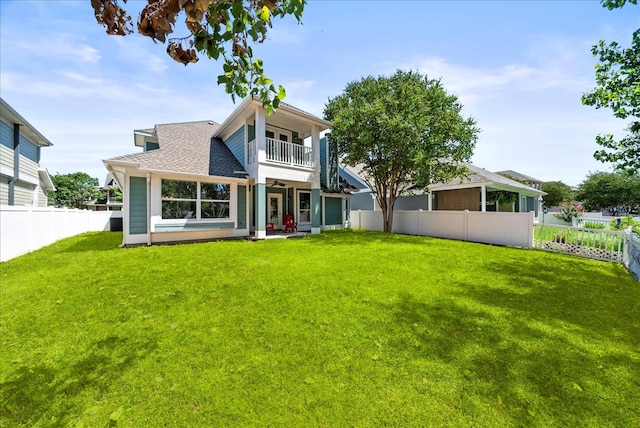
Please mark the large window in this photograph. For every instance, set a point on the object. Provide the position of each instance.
(194, 200)
(304, 207)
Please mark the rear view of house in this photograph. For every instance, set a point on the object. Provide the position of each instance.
(22, 180)
(205, 180)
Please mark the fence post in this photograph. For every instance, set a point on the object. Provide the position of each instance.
(420, 222)
(465, 226)
(530, 229)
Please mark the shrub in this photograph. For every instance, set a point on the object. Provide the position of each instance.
(569, 211)
(594, 225)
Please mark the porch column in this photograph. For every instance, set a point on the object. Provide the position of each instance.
(315, 211)
(261, 208)
(261, 139)
(315, 147)
(483, 198)
(430, 202)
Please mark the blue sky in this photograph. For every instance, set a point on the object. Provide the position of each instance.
(519, 68)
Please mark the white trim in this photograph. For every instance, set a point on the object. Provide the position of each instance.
(297, 207)
(279, 198)
(277, 131)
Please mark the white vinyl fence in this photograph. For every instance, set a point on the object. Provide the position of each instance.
(25, 229)
(515, 229)
(631, 254)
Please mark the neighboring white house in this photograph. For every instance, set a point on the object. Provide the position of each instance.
(22, 180)
(108, 201)
(205, 180)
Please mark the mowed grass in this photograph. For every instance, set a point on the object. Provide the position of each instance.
(338, 329)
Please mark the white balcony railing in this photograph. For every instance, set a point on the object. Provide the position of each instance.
(252, 152)
(282, 152)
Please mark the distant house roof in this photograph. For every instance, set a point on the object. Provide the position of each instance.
(519, 176)
(9, 114)
(479, 176)
(187, 147)
(343, 187)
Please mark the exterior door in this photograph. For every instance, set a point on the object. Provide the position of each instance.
(275, 210)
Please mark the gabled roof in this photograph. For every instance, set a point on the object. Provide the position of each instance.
(188, 148)
(475, 178)
(519, 176)
(9, 114)
(286, 117)
(479, 176)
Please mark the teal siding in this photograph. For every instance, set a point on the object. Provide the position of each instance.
(315, 208)
(329, 163)
(530, 204)
(289, 205)
(6, 134)
(323, 161)
(332, 211)
(332, 161)
(28, 149)
(242, 207)
(235, 142)
(137, 205)
(150, 145)
(261, 206)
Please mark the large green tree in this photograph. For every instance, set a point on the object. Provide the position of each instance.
(220, 29)
(618, 88)
(557, 193)
(610, 191)
(404, 131)
(74, 190)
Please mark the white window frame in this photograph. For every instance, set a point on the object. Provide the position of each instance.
(198, 201)
(299, 210)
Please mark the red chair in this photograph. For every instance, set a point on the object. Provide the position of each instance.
(289, 224)
(269, 227)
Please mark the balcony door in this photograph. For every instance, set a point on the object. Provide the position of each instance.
(278, 134)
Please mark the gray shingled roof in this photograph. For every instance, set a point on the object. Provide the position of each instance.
(480, 176)
(188, 148)
(519, 176)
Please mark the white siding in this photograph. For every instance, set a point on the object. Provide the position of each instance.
(42, 197)
(4, 191)
(28, 169)
(6, 159)
(23, 194)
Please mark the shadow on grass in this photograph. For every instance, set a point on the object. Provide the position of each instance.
(514, 355)
(28, 394)
(93, 241)
(360, 238)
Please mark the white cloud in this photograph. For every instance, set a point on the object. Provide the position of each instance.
(63, 46)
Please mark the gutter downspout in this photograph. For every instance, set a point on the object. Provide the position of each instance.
(148, 209)
(16, 164)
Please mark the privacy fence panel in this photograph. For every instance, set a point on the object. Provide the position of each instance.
(24, 229)
(514, 229)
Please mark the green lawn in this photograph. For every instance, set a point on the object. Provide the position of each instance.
(337, 329)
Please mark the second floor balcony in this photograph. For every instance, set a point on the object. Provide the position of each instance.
(281, 152)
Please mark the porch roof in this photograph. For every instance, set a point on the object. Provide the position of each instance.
(481, 177)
